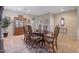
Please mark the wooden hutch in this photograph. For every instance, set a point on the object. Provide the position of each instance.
(19, 24)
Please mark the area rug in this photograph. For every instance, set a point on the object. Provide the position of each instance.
(36, 49)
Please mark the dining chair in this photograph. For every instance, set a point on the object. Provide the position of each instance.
(26, 35)
(34, 39)
(52, 39)
(45, 29)
(40, 28)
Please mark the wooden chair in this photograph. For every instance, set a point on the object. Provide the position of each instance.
(26, 35)
(40, 28)
(32, 38)
(45, 29)
(53, 38)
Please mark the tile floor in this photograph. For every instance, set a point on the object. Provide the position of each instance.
(15, 44)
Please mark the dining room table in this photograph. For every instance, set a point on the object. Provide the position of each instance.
(42, 34)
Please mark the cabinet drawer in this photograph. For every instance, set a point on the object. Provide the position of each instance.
(19, 31)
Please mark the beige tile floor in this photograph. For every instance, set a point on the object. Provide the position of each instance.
(15, 44)
(67, 44)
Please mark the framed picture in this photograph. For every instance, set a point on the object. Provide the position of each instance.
(62, 22)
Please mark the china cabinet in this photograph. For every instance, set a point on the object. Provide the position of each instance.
(19, 24)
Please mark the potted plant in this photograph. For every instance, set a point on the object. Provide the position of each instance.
(4, 24)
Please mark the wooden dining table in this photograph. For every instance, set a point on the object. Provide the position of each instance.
(42, 35)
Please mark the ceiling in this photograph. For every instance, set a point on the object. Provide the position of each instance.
(39, 10)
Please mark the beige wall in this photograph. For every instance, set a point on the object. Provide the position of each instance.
(70, 22)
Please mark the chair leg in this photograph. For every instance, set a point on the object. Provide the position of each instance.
(25, 40)
(44, 44)
(56, 45)
(53, 48)
(41, 43)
